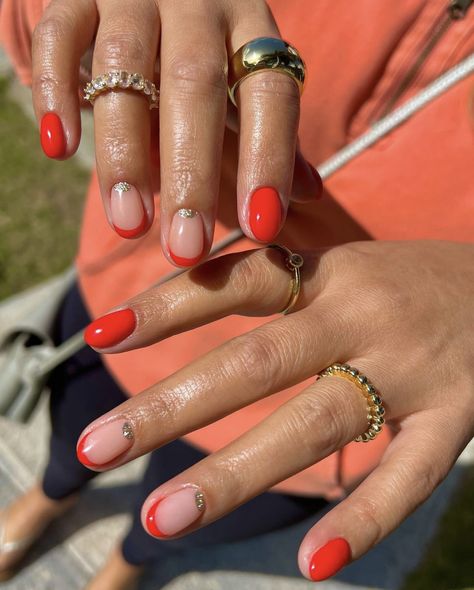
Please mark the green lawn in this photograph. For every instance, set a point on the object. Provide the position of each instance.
(40, 210)
(40, 203)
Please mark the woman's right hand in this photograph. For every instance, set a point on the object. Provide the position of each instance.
(191, 40)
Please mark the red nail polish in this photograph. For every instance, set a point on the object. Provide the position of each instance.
(53, 140)
(180, 261)
(136, 232)
(319, 181)
(82, 457)
(329, 559)
(151, 523)
(265, 214)
(110, 329)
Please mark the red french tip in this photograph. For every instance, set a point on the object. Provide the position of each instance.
(53, 140)
(81, 456)
(265, 214)
(110, 329)
(329, 559)
(180, 261)
(136, 232)
(151, 523)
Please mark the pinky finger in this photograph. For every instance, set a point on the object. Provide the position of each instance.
(417, 460)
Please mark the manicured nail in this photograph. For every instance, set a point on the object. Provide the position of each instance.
(104, 444)
(186, 239)
(110, 329)
(265, 214)
(175, 512)
(128, 213)
(52, 136)
(319, 181)
(329, 559)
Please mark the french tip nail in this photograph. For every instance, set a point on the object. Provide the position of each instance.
(105, 444)
(176, 512)
(186, 237)
(329, 559)
(110, 329)
(127, 210)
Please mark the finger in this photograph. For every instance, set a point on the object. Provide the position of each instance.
(307, 184)
(309, 427)
(122, 117)
(62, 36)
(416, 462)
(192, 121)
(237, 373)
(246, 283)
(269, 109)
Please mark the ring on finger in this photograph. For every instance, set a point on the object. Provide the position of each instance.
(265, 53)
(293, 262)
(375, 408)
(122, 80)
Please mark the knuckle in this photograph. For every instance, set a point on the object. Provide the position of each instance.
(253, 276)
(317, 414)
(269, 85)
(48, 31)
(366, 511)
(117, 47)
(198, 76)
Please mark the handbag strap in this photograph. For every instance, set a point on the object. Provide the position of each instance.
(326, 169)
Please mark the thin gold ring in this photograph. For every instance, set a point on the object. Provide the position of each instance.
(375, 407)
(122, 80)
(293, 262)
(265, 53)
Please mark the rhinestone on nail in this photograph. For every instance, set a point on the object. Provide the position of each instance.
(123, 187)
(187, 213)
(200, 501)
(127, 430)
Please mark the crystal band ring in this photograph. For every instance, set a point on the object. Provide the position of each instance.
(265, 53)
(121, 80)
(375, 409)
(293, 262)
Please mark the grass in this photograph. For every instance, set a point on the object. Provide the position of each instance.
(40, 211)
(40, 203)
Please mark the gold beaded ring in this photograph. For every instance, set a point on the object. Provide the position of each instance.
(293, 262)
(375, 409)
(122, 80)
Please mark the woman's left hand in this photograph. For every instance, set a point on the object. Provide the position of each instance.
(400, 312)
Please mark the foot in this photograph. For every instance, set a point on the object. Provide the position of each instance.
(117, 574)
(23, 522)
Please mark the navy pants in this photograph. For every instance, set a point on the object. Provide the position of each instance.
(81, 391)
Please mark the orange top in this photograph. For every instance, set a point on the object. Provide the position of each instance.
(415, 183)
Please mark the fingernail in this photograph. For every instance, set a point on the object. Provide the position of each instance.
(319, 181)
(52, 136)
(329, 559)
(110, 329)
(175, 512)
(105, 443)
(128, 213)
(265, 214)
(186, 238)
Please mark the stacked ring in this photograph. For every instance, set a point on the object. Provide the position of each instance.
(265, 53)
(375, 409)
(121, 80)
(293, 263)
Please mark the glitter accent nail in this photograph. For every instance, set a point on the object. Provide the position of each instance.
(127, 430)
(187, 213)
(200, 501)
(122, 187)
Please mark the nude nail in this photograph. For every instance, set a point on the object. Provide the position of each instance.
(104, 444)
(175, 512)
(186, 237)
(128, 213)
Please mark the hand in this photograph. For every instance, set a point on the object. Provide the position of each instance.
(400, 312)
(191, 40)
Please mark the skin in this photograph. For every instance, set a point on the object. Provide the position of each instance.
(361, 303)
(194, 110)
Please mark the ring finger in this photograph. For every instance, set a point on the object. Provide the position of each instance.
(122, 118)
